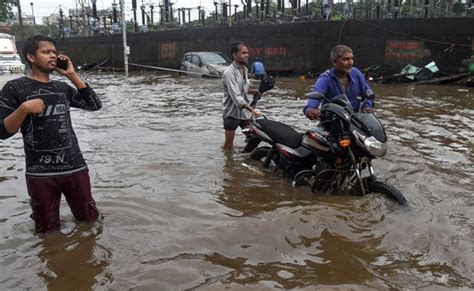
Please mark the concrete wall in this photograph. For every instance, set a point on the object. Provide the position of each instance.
(298, 47)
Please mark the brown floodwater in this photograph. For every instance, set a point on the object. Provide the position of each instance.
(180, 213)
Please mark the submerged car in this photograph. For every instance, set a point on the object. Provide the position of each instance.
(206, 64)
(10, 61)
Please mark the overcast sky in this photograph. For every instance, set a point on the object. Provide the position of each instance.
(47, 7)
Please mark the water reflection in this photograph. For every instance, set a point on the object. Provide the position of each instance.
(325, 236)
(181, 214)
(74, 261)
(245, 187)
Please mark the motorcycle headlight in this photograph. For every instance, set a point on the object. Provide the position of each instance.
(374, 147)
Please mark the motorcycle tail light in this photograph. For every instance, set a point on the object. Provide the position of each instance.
(311, 135)
(283, 151)
(343, 143)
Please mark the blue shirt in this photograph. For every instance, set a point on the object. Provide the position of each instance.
(328, 85)
(257, 68)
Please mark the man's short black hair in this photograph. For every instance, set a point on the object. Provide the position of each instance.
(31, 45)
(235, 47)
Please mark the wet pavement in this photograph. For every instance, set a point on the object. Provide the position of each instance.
(180, 213)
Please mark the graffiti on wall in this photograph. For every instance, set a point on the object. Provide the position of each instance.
(403, 51)
(168, 50)
(268, 52)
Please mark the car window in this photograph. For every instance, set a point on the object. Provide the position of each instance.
(196, 60)
(188, 58)
(215, 58)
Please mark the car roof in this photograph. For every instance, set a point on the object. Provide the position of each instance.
(204, 52)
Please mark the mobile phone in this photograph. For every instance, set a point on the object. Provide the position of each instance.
(62, 64)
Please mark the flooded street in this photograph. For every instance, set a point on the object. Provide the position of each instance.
(180, 213)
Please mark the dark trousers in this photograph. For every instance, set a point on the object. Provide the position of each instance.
(45, 194)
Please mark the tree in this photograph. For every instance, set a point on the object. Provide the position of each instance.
(6, 9)
(51, 30)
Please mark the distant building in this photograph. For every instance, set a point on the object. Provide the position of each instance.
(52, 19)
(80, 12)
(26, 19)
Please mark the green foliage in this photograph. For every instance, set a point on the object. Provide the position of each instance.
(6, 9)
(28, 30)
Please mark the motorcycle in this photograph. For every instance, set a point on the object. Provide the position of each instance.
(334, 157)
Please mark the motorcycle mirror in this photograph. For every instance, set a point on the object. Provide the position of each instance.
(317, 96)
(266, 84)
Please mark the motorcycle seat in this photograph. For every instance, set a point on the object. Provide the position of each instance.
(281, 133)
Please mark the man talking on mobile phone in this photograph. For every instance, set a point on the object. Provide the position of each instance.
(39, 107)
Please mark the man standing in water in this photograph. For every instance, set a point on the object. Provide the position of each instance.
(257, 70)
(40, 108)
(237, 109)
(342, 78)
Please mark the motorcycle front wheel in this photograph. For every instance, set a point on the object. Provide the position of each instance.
(387, 190)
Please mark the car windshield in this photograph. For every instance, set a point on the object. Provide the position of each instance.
(214, 58)
(6, 46)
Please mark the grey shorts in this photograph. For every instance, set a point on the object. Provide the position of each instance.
(231, 123)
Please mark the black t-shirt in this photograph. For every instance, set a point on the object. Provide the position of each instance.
(50, 144)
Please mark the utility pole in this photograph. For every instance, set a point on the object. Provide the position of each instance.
(167, 11)
(95, 19)
(230, 13)
(235, 12)
(199, 14)
(203, 17)
(171, 13)
(33, 14)
(249, 8)
(143, 13)
(267, 8)
(114, 12)
(61, 23)
(20, 20)
(126, 48)
(161, 14)
(151, 12)
(257, 7)
(49, 27)
(81, 25)
(189, 14)
(134, 8)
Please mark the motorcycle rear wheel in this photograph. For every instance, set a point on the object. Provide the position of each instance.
(251, 143)
(388, 190)
(259, 154)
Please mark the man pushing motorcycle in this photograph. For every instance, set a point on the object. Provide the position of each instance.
(342, 78)
(335, 157)
(237, 106)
